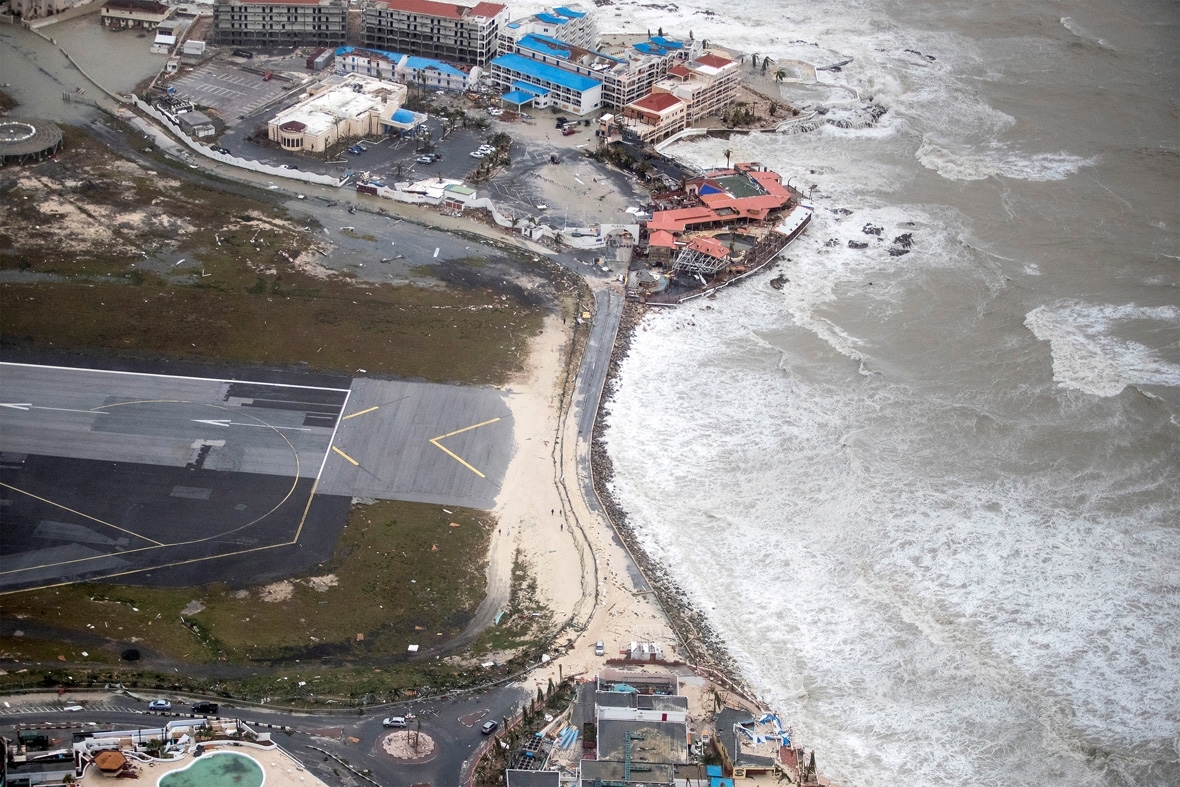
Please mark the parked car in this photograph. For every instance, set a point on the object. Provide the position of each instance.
(159, 705)
(221, 150)
(562, 121)
(289, 166)
(205, 707)
(565, 132)
(489, 727)
(599, 648)
(475, 154)
(356, 150)
(394, 721)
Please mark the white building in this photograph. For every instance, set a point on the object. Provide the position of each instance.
(627, 68)
(545, 85)
(410, 70)
(571, 23)
(707, 84)
(351, 108)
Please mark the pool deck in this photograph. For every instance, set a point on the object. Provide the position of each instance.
(280, 768)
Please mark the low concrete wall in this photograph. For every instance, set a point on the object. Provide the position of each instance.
(233, 161)
(70, 13)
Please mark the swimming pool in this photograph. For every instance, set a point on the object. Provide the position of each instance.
(219, 769)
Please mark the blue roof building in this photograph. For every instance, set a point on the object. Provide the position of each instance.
(571, 23)
(572, 92)
(412, 70)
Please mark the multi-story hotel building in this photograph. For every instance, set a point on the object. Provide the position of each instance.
(571, 23)
(706, 84)
(445, 31)
(280, 23)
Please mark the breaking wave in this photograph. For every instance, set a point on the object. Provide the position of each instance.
(1090, 356)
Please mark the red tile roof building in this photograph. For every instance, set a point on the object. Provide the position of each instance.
(656, 116)
(706, 85)
(445, 31)
(743, 194)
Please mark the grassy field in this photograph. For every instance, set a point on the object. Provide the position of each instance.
(89, 232)
(402, 574)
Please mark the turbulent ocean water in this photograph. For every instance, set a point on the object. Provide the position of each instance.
(932, 501)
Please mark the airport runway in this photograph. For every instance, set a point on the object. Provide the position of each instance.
(171, 480)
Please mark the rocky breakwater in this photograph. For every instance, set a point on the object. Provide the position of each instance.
(702, 646)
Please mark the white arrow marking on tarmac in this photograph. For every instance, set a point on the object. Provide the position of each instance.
(29, 406)
(227, 423)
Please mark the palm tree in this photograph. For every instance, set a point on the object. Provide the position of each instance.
(765, 64)
(754, 62)
(780, 75)
(728, 152)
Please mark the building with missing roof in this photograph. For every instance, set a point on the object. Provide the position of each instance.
(447, 31)
(270, 24)
(411, 70)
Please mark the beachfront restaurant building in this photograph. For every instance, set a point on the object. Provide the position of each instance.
(527, 81)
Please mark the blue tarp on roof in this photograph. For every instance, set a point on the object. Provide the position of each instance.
(403, 116)
(532, 90)
(422, 63)
(667, 43)
(551, 19)
(344, 50)
(543, 72)
(546, 45)
(518, 97)
(707, 189)
(572, 14)
(648, 48)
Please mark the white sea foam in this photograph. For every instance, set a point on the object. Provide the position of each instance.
(1072, 26)
(962, 162)
(891, 567)
(955, 568)
(1089, 355)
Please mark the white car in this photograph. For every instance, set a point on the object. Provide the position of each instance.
(475, 154)
(159, 705)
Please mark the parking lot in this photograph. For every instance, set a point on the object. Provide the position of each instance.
(225, 87)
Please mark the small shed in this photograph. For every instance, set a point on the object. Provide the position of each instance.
(456, 196)
(196, 124)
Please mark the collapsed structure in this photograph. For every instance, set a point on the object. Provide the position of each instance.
(718, 227)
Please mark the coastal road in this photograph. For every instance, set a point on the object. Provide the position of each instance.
(453, 724)
(596, 360)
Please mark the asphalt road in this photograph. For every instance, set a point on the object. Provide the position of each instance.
(356, 738)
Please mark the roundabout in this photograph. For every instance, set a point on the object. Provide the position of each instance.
(28, 139)
(410, 747)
